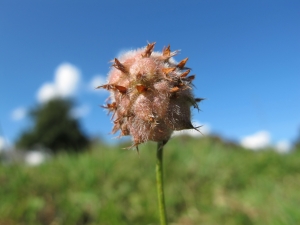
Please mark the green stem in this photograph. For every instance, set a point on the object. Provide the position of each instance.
(160, 183)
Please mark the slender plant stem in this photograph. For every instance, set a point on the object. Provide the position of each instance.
(160, 183)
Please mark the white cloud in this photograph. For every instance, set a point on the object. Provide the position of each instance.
(46, 92)
(257, 140)
(283, 146)
(66, 81)
(18, 114)
(34, 158)
(204, 129)
(80, 111)
(67, 78)
(97, 81)
(2, 143)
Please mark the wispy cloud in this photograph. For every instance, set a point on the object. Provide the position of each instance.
(257, 140)
(18, 114)
(97, 81)
(46, 92)
(65, 84)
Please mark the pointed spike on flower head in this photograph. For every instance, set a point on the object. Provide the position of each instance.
(199, 99)
(197, 129)
(189, 79)
(149, 49)
(141, 88)
(119, 66)
(110, 106)
(113, 86)
(174, 89)
(195, 102)
(167, 51)
(182, 63)
(134, 145)
(167, 54)
(105, 86)
(168, 70)
(184, 74)
(121, 89)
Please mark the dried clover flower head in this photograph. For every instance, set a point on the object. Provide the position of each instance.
(151, 95)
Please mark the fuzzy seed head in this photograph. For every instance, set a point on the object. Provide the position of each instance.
(151, 95)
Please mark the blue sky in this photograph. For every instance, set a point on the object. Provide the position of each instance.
(245, 54)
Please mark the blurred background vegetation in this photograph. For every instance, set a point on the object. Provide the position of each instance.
(207, 180)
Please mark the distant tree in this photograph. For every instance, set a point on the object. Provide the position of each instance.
(297, 142)
(54, 128)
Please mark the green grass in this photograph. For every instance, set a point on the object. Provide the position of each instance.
(206, 182)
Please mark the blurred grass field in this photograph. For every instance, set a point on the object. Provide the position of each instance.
(206, 182)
